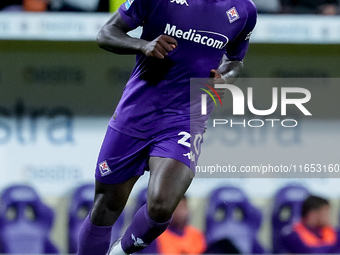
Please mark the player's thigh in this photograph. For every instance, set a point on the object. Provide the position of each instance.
(169, 180)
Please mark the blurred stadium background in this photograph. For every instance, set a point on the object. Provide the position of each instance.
(58, 91)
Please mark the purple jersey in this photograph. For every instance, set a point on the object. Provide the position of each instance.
(157, 96)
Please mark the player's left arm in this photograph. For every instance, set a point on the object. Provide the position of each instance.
(232, 62)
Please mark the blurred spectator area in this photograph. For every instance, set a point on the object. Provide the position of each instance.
(265, 6)
(58, 5)
(24, 5)
(325, 7)
(80, 6)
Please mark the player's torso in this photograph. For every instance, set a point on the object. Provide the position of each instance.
(201, 28)
(157, 96)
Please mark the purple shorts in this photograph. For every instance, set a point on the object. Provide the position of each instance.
(121, 156)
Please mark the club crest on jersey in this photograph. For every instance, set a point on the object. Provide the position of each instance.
(181, 2)
(128, 4)
(232, 15)
(104, 168)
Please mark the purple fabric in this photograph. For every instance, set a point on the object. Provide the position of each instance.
(141, 200)
(93, 239)
(123, 162)
(142, 231)
(151, 249)
(157, 96)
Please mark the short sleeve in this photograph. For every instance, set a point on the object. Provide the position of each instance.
(237, 49)
(135, 12)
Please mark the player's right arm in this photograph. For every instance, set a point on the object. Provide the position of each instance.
(113, 37)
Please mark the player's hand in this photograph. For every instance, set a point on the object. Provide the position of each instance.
(159, 47)
(217, 80)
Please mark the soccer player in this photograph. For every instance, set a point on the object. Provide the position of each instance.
(150, 128)
(313, 234)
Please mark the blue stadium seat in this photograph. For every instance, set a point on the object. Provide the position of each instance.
(230, 218)
(286, 211)
(25, 222)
